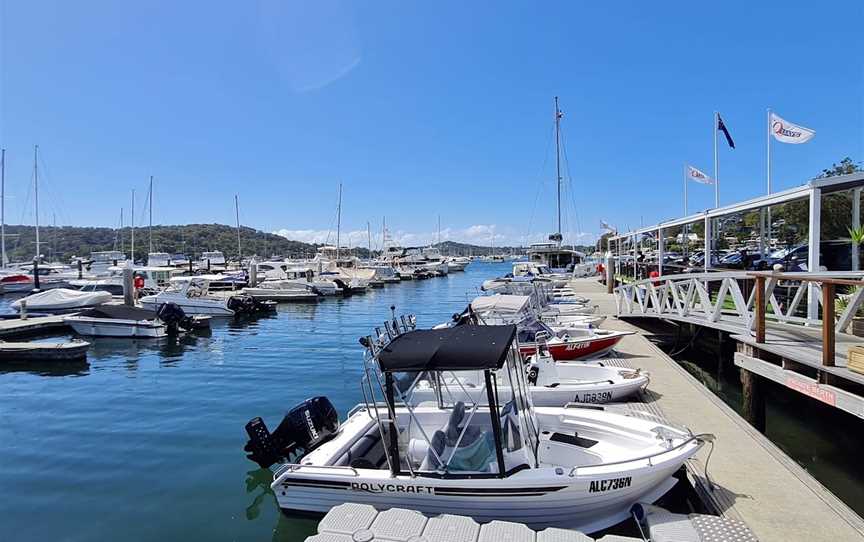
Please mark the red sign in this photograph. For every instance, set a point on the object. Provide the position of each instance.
(812, 389)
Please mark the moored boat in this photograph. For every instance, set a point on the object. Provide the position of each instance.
(543, 466)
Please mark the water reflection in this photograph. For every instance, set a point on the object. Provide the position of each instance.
(47, 368)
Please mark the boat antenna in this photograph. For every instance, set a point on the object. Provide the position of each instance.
(558, 116)
(150, 227)
(132, 228)
(36, 188)
(237, 214)
(3, 207)
(338, 220)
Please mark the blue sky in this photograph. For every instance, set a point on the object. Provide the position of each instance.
(418, 108)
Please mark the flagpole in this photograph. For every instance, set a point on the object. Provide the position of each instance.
(768, 147)
(685, 189)
(716, 164)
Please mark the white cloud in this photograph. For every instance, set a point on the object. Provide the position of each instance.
(477, 234)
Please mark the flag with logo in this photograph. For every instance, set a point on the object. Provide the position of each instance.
(786, 132)
(699, 176)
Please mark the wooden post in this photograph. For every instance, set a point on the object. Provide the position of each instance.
(128, 287)
(753, 400)
(828, 324)
(760, 309)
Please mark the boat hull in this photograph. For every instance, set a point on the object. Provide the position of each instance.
(105, 327)
(575, 349)
(191, 309)
(561, 501)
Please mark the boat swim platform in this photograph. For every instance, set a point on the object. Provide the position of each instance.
(30, 326)
(353, 522)
(751, 479)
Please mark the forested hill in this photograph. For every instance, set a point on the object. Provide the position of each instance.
(62, 243)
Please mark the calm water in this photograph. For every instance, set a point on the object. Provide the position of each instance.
(145, 441)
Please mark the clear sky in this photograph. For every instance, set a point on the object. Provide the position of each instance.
(419, 108)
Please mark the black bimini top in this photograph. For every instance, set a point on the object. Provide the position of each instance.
(460, 348)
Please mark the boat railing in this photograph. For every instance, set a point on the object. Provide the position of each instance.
(700, 438)
(327, 470)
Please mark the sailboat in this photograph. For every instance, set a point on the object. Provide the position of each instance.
(553, 254)
(332, 265)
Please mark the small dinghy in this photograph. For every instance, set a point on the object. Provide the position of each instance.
(32, 351)
(550, 383)
(61, 300)
(573, 467)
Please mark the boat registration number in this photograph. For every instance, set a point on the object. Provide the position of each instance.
(598, 486)
(594, 397)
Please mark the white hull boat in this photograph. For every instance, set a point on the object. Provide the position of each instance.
(550, 384)
(572, 467)
(191, 295)
(281, 295)
(61, 299)
(118, 321)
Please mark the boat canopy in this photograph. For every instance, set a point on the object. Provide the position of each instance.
(460, 348)
(502, 303)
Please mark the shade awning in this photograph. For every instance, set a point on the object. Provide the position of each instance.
(461, 348)
(500, 303)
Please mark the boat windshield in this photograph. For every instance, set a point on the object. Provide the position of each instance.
(462, 434)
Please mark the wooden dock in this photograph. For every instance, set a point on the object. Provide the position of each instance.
(34, 325)
(753, 480)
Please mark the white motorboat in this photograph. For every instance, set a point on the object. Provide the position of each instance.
(458, 263)
(61, 300)
(281, 291)
(192, 295)
(302, 277)
(133, 322)
(574, 467)
(550, 383)
(117, 321)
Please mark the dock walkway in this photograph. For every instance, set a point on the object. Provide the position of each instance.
(753, 480)
(34, 325)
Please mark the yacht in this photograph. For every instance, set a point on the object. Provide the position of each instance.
(192, 294)
(212, 260)
(576, 466)
(300, 276)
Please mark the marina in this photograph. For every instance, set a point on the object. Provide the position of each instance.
(416, 272)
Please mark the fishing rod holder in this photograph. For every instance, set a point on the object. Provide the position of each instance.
(388, 332)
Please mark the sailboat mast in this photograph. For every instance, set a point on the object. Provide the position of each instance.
(558, 162)
(237, 214)
(369, 235)
(36, 190)
(3, 207)
(150, 227)
(338, 220)
(132, 227)
(122, 247)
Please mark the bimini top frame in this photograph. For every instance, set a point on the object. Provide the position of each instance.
(403, 349)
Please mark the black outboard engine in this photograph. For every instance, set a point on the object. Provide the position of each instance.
(306, 426)
(241, 304)
(174, 317)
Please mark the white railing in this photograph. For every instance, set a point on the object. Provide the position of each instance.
(689, 296)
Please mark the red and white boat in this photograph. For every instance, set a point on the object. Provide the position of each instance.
(567, 345)
(17, 282)
(568, 341)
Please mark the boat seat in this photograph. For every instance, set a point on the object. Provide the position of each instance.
(366, 450)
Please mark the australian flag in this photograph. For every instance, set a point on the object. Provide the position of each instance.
(722, 128)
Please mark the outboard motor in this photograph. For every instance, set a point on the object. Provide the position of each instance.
(174, 317)
(306, 426)
(241, 304)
